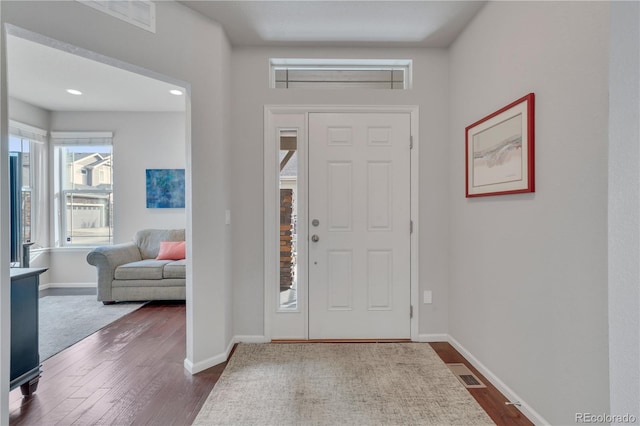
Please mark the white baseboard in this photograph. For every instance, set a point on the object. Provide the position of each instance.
(250, 339)
(197, 367)
(526, 409)
(67, 285)
(433, 338)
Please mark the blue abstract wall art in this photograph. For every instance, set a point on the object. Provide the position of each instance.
(165, 188)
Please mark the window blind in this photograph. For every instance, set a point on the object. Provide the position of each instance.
(26, 131)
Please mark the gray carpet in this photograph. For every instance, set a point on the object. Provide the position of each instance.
(65, 320)
(339, 384)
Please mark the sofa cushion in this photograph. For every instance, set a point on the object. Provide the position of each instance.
(148, 240)
(149, 269)
(171, 250)
(148, 287)
(175, 269)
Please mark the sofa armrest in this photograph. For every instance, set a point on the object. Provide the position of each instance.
(106, 259)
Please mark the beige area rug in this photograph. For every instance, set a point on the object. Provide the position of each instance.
(339, 384)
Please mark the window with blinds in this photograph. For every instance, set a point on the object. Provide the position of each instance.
(327, 74)
(28, 180)
(83, 188)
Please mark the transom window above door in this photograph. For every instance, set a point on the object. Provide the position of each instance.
(394, 74)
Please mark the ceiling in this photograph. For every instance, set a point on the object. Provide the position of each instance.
(340, 23)
(294, 23)
(40, 75)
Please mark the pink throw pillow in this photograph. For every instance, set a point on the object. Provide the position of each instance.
(171, 250)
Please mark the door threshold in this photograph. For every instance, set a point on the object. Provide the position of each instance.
(343, 341)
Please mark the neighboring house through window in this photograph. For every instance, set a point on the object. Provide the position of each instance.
(83, 198)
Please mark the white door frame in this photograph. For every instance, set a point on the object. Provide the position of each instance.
(276, 117)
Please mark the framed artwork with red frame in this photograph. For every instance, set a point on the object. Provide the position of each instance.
(500, 151)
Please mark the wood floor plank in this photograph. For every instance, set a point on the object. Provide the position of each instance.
(131, 372)
(94, 380)
(54, 415)
(80, 415)
(33, 410)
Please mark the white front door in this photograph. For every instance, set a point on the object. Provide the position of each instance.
(359, 225)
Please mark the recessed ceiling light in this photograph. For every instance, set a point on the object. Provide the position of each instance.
(74, 92)
(175, 92)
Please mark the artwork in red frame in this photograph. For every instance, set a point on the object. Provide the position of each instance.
(499, 151)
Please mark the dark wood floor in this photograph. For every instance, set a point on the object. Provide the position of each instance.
(489, 398)
(131, 372)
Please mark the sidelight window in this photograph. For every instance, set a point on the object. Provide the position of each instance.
(288, 220)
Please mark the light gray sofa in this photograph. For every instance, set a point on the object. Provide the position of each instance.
(130, 271)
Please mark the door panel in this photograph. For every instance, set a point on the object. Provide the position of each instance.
(339, 196)
(339, 280)
(359, 194)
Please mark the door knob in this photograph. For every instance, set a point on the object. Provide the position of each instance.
(315, 238)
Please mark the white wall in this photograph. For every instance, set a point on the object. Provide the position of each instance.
(5, 237)
(192, 49)
(528, 277)
(141, 140)
(624, 209)
(26, 113)
(225, 112)
(251, 92)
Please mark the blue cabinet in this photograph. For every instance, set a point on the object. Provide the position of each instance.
(25, 356)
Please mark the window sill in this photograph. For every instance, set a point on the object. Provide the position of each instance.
(73, 249)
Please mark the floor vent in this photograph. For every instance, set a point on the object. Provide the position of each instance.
(466, 377)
